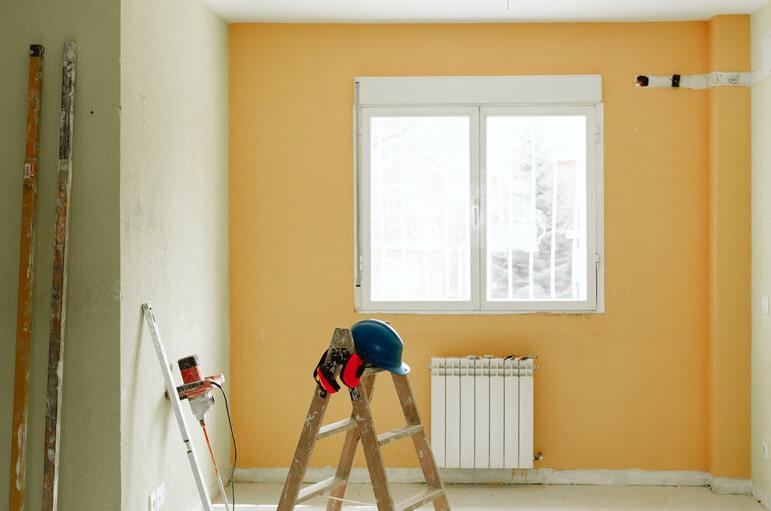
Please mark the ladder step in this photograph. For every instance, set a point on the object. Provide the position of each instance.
(336, 427)
(318, 488)
(418, 500)
(396, 434)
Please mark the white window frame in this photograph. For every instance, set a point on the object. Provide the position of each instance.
(478, 98)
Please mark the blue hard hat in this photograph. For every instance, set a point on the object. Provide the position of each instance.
(379, 344)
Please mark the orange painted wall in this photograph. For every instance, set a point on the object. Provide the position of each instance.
(629, 388)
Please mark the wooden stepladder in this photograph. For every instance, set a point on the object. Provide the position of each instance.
(360, 426)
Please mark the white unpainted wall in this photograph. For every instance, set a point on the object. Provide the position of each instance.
(173, 233)
(761, 252)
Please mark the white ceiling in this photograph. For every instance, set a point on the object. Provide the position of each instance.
(385, 11)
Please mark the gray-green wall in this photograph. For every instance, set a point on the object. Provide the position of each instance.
(90, 452)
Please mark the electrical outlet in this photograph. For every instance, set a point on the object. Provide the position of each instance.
(764, 448)
(157, 498)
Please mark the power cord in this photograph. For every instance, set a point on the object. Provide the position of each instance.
(235, 448)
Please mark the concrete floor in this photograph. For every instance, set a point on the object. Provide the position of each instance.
(527, 498)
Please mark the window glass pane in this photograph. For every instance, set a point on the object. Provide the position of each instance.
(536, 208)
(420, 208)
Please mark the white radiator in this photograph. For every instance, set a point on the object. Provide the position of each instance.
(482, 412)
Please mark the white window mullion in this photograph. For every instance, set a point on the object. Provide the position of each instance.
(476, 212)
(482, 184)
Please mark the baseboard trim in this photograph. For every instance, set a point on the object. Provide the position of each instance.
(632, 477)
(730, 486)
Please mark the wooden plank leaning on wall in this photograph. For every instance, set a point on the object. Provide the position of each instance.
(59, 287)
(18, 469)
